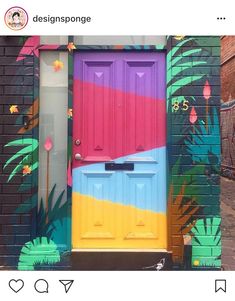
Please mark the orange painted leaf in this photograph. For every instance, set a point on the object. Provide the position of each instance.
(70, 113)
(58, 65)
(71, 46)
(14, 109)
(27, 170)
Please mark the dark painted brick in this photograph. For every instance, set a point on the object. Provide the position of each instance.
(9, 40)
(11, 119)
(25, 219)
(11, 249)
(1, 90)
(20, 90)
(7, 239)
(11, 129)
(28, 100)
(3, 158)
(8, 209)
(14, 189)
(28, 80)
(12, 51)
(11, 99)
(15, 180)
(10, 198)
(1, 71)
(22, 239)
(1, 50)
(14, 70)
(6, 61)
(7, 80)
(16, 229)
(11, 261)
(9, 219)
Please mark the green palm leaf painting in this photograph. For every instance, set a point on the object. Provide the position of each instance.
(40, 251)
(28, 155)
(206, 242)
(56, 212)
(177, 65)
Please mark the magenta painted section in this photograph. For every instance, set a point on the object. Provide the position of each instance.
(115, 67)
(113, 123)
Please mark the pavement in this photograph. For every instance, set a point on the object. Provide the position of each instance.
(228, 223)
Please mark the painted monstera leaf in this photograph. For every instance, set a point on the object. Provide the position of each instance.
(180, 68)
(40, 251)
(206, 242)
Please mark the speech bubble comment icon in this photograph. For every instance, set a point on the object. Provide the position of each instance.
(41, 286)
(220, 285)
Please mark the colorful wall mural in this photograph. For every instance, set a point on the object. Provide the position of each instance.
(36, 234)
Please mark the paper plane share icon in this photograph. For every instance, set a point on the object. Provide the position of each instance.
(67, 284)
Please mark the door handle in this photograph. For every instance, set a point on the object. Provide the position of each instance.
(78, 157)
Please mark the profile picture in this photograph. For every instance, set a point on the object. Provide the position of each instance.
(16, 18)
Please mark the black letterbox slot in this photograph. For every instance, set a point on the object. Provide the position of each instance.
(119, 166)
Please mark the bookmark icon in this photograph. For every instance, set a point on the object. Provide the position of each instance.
(67, 284)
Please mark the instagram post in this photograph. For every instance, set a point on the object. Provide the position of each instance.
(117, 158)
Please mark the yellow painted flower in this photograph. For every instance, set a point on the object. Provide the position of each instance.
(14, 109)
(27, 170)
(71, 46)
(196, 263)
(58, 65)
(70, 113)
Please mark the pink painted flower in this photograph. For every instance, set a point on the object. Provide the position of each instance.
(207, 90)
(48, 144)
(193, 116)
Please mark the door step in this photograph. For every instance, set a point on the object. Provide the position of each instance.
(116, 260)
(121, 250)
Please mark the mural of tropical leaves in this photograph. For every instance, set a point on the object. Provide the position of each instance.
(28, 153)
(181, 64)
(40, 251)
(57, 211)
(204, 143)
(181, 210)
(207, 236)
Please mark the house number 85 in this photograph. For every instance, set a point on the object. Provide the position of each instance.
(180, 105)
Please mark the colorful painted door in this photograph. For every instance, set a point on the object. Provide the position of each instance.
(119, 117)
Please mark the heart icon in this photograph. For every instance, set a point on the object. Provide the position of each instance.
(16, 285)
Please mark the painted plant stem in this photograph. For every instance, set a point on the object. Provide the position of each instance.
(48, 146)
(47, 185)
(207, 95)
(193, 119)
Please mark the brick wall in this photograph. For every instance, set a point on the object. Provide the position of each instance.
(194, 148)
(227, 68)
(227, 139)
(16, 89)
